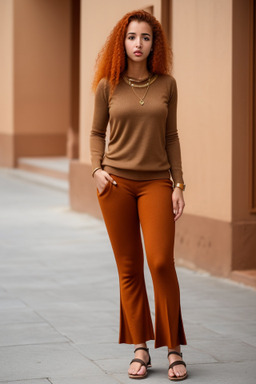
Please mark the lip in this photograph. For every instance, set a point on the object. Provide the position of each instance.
(137, 53)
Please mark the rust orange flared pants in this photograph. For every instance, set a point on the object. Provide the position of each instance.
(125, 208)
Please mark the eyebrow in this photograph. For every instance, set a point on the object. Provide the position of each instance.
(143, 34)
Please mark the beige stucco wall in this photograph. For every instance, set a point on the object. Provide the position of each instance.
(42, 66)
(202, 46)
(94, 31)
(6, 66)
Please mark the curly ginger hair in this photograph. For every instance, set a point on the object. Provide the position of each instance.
(111, 61)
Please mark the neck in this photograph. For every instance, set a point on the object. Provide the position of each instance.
(137, 71)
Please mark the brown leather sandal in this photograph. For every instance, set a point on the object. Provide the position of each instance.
(136, 360)
(179, 362)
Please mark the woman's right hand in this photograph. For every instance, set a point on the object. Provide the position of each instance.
(101, 179)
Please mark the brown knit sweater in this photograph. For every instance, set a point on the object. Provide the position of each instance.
(144, 142)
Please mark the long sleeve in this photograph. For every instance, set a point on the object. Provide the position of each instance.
(99, 125)
(172, 138)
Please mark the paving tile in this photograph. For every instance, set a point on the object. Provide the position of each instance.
(29, 333)
(18, 315)
(95, 379)
(115, 366)
(45, 360)
(86, 334)
(95, 351)
(199, 332)
(250, 339)
(216, 315)
(240, 330)
(11, 302)
(62, 315)
(226, 349)
(32, 381)
(229, 373)
(193, 355)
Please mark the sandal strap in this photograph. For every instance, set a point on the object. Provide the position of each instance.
(179, 362)
(142, 348)
(149, 357)
(174, 353)
(138, 361)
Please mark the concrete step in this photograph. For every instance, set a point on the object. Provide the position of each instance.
(247, 277)
(38, 178)
(57, 167)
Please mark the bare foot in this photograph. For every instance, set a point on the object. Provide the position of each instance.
(178, 370)
(135, 367)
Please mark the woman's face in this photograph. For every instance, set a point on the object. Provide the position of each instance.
(138, 41)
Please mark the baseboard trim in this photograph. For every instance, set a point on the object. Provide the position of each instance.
(204, 243)
(13, 146)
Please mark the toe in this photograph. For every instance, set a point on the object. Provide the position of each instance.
(141, 371)
(136, 369)
(132, 371)
(171, 373)
(179, 371)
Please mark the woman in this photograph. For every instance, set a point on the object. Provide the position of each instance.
(137, 96)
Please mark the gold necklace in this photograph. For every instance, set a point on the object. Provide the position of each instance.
(132, 82)
(141, 99)
(138, 80)
(133, 85)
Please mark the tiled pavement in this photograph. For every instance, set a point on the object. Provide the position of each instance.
(59, 301)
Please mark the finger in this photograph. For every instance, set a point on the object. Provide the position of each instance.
(179, 212)
(109, 178)
(177, 216)
(175, 206)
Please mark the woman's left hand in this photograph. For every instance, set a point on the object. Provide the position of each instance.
(178, 203)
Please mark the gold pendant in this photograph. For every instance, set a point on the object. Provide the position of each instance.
(141, 102)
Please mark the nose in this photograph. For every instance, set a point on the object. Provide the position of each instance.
(138, 43)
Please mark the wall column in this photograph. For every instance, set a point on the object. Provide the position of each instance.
(35, 96)
(6, 81)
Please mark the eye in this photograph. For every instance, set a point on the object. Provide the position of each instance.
(146, 38)
(130, 37)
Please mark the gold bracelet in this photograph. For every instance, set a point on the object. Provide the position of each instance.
(96, 169)
(180, 186)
